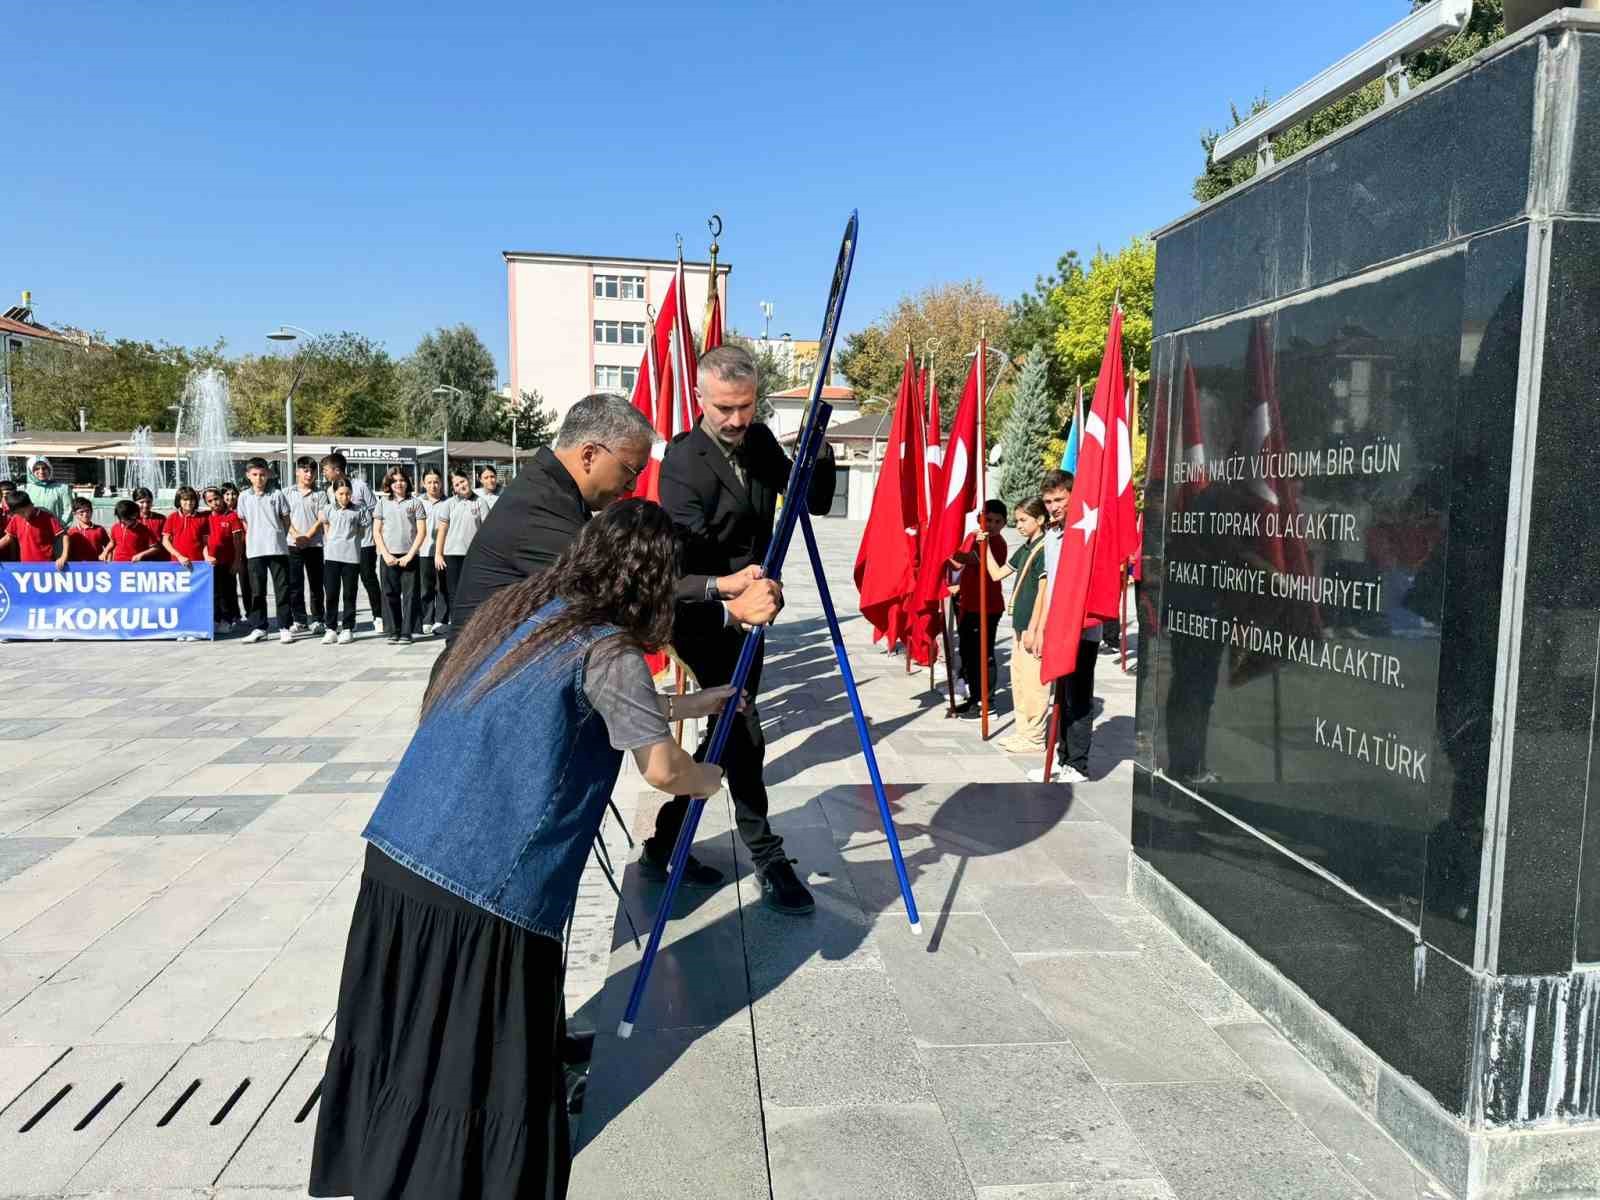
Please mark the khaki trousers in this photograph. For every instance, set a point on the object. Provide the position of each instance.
(1030, 697)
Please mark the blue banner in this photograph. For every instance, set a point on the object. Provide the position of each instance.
(105, 601)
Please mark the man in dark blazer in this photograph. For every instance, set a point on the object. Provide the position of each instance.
(720, 483)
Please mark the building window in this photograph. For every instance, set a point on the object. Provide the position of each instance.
(619, 287)
(619, 333)
(615, 379)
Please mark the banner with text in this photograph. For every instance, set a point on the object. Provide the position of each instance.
(105, 601)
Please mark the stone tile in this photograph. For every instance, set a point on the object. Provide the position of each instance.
(171, 708)
(79, 818)
(173, 918)
(836, 1037)
(327, 855)
(21, 1065)
(1127, 1025)
(77, 921)
(1049, 917)
(264, 918)
(177, 816)
(1231, 1141)
(294, 996)
(157, 862)
(1094, 856)
(105, 1082)
(300, 814)
(80, 997)
(271, 689)
(23, 729)
(244, 858)
(21, 973)
(215, 724)
(284, 750)
(393, 674)
(1100, 1189)
(17, 815)
(188, 998)
(277, 1153)
(348, 777)
(1364, 1150)
(959, 984)
(384, 750)
(18, 854)
(1180, 968)
(682, 1100)
(1032, 1114)
(885, 1151)
(203, 1134)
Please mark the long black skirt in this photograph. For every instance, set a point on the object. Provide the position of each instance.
(445, 1078)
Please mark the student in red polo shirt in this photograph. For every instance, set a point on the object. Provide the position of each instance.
(86, 541)
(131, 540)
(185, 532)
(7, 491)
(966, 558)
(34, 532)
(225, 534)
(152, 520)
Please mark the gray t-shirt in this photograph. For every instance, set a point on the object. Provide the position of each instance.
(262, 514)
(304, 509)
(400, 520)
(361, 496)
(346, 529)
(618, 684)
(462, 518)
(432, 508)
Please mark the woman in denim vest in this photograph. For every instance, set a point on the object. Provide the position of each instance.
(445, 1079)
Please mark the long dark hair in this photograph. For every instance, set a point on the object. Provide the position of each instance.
(620, 571)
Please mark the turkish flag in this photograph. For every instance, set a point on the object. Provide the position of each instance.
(712, 337)
(665, 388)
(954, 496)
(1101, 531)
(886, 563)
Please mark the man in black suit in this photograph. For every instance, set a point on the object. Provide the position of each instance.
(720, 483)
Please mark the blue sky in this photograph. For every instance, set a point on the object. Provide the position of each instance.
(184, 172)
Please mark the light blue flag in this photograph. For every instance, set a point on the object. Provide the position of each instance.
(1069, 456)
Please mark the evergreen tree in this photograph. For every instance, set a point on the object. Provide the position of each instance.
(1027, 432)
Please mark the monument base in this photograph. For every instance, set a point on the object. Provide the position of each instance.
(1475, 1164)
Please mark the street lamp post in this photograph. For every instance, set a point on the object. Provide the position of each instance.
(443, 392)
(289, 333)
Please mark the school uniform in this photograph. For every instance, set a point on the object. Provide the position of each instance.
(225, 571)
(399, 521)
(34, 533)
(86, 542)
(341, 562)
(156, 523)
(306, 558)
(362, 496)
(433, 604)
(129, 540)
(462, 518)
(189, 534)
(266, 551)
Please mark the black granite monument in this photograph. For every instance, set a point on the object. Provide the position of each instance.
(1366, 777)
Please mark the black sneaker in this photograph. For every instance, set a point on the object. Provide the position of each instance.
(695, 873)
(782, 890)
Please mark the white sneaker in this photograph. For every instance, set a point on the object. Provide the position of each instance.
(329, 638)
(1059, 775)
(256, 635)
(297, 628)
(427, 630)
(346, 637)
(377, 624)
(286, 635)
(318, 627)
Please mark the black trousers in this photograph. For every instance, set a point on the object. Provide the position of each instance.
(305, 583)
(1074, 694)
(432, 604)
(246, 592)
(369, 580)
(742, 761)
(225, 593)
(967, 631)
(340, 578)
(277, 565)
(452, 580)
(400, 599)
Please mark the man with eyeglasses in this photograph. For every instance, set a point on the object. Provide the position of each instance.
(603, 446)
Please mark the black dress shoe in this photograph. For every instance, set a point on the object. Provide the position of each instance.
(695, 873)
(782, 890)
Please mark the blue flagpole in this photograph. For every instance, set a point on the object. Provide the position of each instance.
(865, 737)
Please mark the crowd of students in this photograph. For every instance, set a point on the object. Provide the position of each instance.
(316, 541)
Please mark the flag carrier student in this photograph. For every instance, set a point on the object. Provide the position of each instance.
(808, 446)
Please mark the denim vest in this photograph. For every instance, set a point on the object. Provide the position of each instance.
(498, 797)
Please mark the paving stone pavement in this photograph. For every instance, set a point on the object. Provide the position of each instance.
(179, 854)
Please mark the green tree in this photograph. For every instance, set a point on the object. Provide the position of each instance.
(350, 388)
(535, 424)
(122, 384)
(1486, 26)
(1032, 321)
(1027, 431)
(458, 358)
(954, 313)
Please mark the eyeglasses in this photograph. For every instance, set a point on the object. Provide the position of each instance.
(633, 472)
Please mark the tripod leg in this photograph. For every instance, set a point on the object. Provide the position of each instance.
(861, 724)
